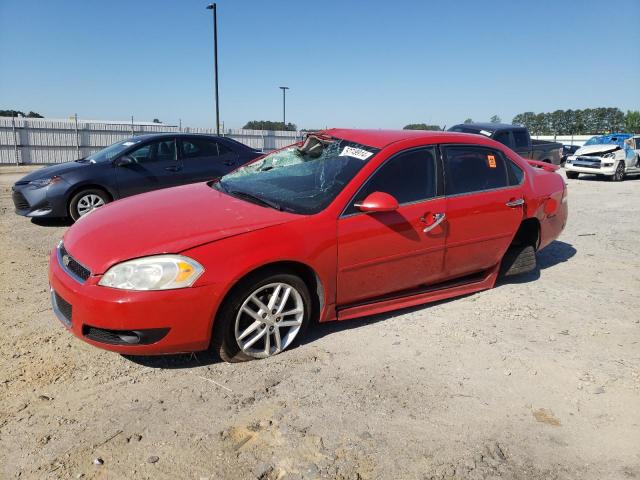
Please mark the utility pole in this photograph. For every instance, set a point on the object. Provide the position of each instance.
(213, 8)
(284, 107)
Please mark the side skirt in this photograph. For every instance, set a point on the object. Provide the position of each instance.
(435, 293)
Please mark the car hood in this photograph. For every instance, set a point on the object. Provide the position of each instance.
(50, 171)
(596, 149)
(165, 221)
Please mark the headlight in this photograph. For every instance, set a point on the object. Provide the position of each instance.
(159, 272)
(609, 155)
(43, 182)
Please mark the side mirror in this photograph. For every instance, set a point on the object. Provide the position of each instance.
(123, 161)
(378, 202)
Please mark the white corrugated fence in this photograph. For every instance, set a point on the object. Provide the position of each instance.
(44, 141)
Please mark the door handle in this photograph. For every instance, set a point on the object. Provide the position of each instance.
(173, 169)
(437, 220)
(515, 203)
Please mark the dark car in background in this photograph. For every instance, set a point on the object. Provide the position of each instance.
(517, 139)
(136, 165)
(568, 150)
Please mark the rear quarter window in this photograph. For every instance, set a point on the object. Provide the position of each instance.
(516, 174)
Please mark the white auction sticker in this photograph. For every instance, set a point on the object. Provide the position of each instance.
(358, 153)
(484, 132)
(128, 144)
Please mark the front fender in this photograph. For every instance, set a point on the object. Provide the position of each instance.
(306, 241)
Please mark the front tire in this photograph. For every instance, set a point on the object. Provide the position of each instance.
(618, 176)
(85, 201)
(572, 175)
(262, 316)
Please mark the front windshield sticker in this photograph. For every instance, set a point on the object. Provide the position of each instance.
(128, 144)
(484, 132)
(358, 153)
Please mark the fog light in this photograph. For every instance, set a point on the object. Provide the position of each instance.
(608, 164)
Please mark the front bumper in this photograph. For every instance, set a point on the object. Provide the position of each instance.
(168, 321)
(49, 201)
(602, 166)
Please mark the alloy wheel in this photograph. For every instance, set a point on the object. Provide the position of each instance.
(89, 202)
(619, 175)
(269, 319)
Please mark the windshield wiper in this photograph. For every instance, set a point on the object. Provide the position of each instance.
(254, 199)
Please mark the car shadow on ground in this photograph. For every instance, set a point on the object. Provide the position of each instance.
(556, 252)
(52, 222)
(602, 178)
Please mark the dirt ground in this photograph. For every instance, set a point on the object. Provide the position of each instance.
(537, 378)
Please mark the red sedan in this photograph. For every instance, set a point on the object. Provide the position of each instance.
(346, 224)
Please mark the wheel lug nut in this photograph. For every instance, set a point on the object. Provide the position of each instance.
(262, 325)
(273, 311)
(264, 315)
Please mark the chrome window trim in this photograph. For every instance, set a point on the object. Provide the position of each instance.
(455, 195)
(64, 267)
(439, 146)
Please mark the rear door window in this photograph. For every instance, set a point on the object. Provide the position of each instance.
(469, 169)
(199, 148)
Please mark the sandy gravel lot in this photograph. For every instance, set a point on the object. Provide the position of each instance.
(537, 378)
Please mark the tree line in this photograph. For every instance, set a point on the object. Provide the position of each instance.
(589, 121)
(18, 113)
(269, 125)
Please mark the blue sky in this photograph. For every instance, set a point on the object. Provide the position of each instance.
(364, 64)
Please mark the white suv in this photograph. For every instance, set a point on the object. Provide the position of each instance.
(608, 155)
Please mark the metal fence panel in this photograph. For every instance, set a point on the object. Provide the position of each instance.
(46, 141)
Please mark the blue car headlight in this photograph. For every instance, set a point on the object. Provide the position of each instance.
(43, 182)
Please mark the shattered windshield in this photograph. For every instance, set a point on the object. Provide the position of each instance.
(303, 178)
(608, 140)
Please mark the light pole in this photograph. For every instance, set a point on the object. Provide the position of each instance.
(284, 107)
(212, 7)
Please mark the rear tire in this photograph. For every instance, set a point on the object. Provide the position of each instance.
(87, 200)
(517, 260)
(572, 175)
(231, 323)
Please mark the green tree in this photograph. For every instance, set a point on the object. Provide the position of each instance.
(632, 121)
(421, 126)
(469, 120)
(269, 125)
(11, 113)
(155, 120)
(574, 122)
(19, 113)
(495, 119)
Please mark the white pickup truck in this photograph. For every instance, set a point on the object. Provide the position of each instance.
(610, 155)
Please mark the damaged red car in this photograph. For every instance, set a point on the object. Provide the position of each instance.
(346, 224)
